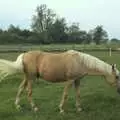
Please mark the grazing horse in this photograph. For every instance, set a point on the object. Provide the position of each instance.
(67, 67)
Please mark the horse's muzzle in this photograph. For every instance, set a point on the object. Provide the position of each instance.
(118, 83)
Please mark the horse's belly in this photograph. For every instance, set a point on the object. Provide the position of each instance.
(55, 76)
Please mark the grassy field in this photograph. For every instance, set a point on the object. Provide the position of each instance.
(98, 100)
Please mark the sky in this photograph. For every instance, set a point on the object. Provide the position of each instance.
(89, 13)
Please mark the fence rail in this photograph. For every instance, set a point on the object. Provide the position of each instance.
(6, 50)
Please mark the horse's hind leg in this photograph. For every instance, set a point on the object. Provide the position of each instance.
(20, 90)
(29, 90)
(77, 91)
(64, 96)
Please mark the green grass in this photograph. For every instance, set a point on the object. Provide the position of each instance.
(98, 100)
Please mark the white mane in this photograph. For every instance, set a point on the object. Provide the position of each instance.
(93, 64)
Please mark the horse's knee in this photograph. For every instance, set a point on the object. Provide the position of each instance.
(29, 92)
(78, 95)
(77, 83)
(65, 96)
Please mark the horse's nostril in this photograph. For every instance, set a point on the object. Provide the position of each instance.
(117, 77)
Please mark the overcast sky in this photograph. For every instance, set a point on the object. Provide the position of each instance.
(89, 13)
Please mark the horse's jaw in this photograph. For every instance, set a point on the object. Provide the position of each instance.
(118, 90)
(118, 83)
(118, 86)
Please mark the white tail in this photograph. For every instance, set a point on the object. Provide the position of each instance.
(11, 67)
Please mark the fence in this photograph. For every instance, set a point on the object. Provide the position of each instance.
(53, 48)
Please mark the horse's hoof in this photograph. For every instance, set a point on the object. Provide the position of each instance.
(61, 111)
(79, 109)
(35, 109)
(18, 107)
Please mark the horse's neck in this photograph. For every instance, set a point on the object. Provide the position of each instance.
(107, 69)
(95, 65)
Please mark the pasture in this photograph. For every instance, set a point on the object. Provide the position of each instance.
(98, 100)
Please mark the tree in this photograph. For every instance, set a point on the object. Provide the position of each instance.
(114, 40)
(58, 31)
(75, 34)
(99, 35)
(74, 28)
(42, 22)
(1, 31)
(14, 29)
(43, 19)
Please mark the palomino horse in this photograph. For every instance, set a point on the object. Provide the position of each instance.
(68, 66)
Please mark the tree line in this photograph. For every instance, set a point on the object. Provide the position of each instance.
(47, 27)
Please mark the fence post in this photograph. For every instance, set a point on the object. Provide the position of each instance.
(110, 52)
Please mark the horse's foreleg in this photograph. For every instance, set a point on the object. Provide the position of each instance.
(20, 90)
(29, 89)
(64, 96)
(77, 91)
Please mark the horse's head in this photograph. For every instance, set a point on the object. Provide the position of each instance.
(115, 78)
(116, 73)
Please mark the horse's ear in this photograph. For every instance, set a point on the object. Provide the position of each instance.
(113, 67)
